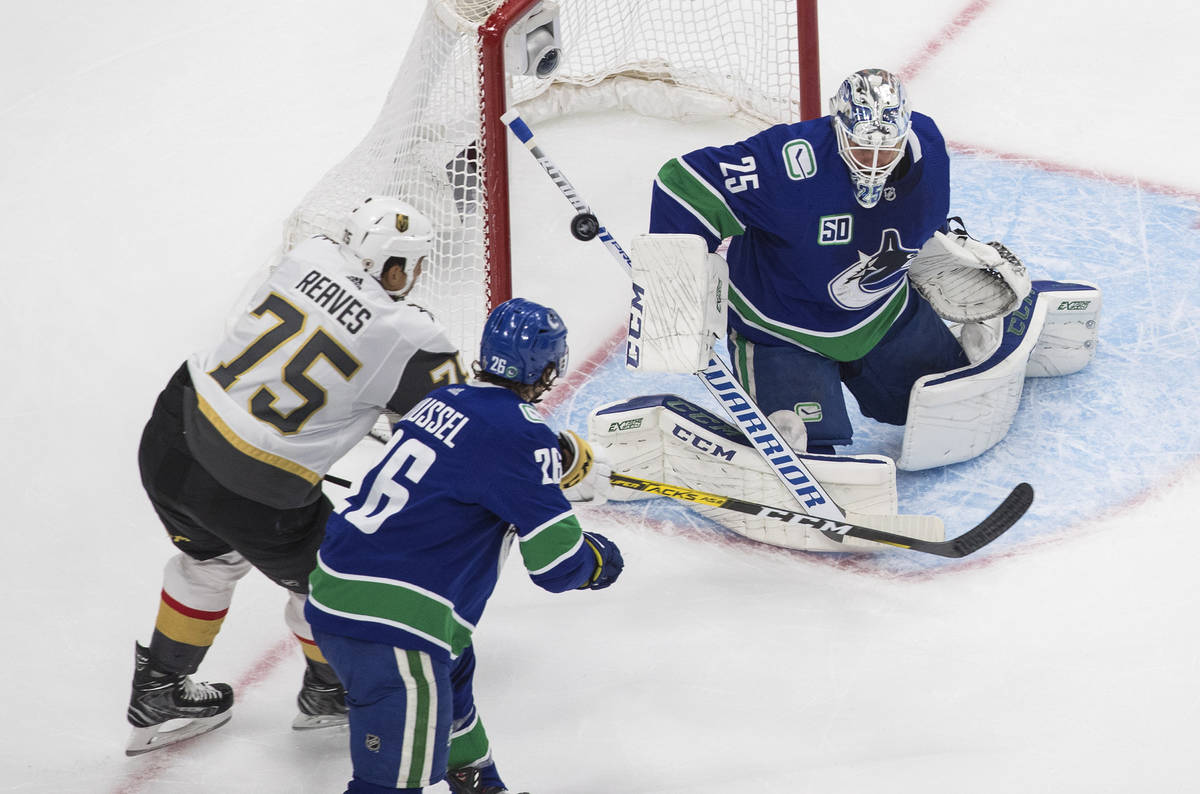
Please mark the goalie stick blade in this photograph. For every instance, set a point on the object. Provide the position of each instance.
(974, 539)
(996, 524)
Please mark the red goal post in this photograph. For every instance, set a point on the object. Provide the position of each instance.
(439, 142)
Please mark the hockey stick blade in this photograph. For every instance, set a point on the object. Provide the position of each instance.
(974, 539)
(996, 524)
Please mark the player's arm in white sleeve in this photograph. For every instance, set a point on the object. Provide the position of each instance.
(436, 362)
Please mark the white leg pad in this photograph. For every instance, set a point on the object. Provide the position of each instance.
(958, 415)
(669, 439)
(1069, 336)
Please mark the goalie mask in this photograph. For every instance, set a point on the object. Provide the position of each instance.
(381, 231)
(520, 338)
(871, 119)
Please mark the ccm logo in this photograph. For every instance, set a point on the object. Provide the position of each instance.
(703, 444)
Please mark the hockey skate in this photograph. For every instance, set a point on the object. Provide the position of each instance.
(322, 703)
(465, 780)
(163, 699)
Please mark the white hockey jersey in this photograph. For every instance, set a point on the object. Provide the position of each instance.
(303, 373)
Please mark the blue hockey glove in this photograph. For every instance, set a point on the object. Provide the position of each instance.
(608, 561)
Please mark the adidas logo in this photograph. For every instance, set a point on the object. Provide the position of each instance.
(356, 280)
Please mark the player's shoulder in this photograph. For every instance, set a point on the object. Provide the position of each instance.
(318, 249)
(318, 257)
(927, 129)
(504, 408)
(416, 324)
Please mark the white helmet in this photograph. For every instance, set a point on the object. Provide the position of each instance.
(383, 228)
(872, 119)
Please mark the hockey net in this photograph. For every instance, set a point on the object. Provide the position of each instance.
(439, 144)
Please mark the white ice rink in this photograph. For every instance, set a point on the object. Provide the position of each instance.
(149, 153)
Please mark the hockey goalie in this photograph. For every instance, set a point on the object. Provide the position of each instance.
(842, 271)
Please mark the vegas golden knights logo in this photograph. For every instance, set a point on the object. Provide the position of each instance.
(401, 222)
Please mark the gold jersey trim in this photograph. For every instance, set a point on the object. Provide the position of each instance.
(251, 451)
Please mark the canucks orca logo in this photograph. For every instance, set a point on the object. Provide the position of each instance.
(873, 276)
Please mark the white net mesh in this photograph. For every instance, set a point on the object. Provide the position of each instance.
(732, 57)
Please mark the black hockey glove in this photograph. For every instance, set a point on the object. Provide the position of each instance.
(608, 561)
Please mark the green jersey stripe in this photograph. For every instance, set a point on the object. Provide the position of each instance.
(850, 345)
(392, 603)
(548, 545)
(690, 190)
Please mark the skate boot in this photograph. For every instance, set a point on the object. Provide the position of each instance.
(466, 780)
(160, 697)
(322, 699)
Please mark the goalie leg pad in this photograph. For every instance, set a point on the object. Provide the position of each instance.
(958, 415)
(1068, 338)
(667, 438)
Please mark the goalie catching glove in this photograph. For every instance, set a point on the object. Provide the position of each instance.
(966, 280)
(584, 479)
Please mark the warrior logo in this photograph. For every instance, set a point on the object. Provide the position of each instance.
(874, 275)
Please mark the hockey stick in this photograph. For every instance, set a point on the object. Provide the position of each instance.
(717, 377)
(969, 542)
(633, 346)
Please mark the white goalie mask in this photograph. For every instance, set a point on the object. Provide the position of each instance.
(871, 118)
(382, 228)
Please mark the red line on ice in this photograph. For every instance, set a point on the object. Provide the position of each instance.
(944, 37)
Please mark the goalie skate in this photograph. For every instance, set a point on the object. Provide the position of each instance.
(167, 709)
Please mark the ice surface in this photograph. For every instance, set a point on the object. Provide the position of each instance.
(150, 153)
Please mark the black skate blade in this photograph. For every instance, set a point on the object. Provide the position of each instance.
(153, 737)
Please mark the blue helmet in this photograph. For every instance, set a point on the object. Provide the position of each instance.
(520, 338)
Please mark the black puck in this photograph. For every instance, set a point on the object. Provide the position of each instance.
(584, 226)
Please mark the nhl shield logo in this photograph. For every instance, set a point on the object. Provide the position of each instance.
(373, 742)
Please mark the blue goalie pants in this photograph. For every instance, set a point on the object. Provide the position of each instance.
(412, 716)
(790, 378)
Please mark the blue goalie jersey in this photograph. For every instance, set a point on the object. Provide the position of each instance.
(414, 556)
(808, 265)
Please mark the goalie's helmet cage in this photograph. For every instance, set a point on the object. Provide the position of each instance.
(381, 228)
(871, 118)
(520, 339)
(440, 145)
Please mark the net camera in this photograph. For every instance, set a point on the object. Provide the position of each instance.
(532, 45)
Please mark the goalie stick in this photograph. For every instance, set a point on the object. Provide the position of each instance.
(633, 348)
(717, 377)
(996, 524)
